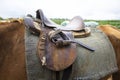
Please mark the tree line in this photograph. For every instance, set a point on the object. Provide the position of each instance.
(1, 18)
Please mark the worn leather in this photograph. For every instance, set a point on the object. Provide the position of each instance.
(56, 58)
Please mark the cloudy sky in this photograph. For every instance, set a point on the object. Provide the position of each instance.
(87, 9)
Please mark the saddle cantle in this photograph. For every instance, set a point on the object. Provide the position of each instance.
(56, 47)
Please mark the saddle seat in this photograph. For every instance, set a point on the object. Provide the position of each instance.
(76, 25)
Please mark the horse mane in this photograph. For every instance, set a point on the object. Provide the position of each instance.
(110, 30)
(20, 20)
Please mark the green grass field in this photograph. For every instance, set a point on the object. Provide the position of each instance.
(111, 22)
(101, 22)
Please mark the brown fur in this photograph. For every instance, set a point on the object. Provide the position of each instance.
(114, 36)
(12, 57)
(12, 50)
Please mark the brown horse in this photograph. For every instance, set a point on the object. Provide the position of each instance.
(12, 50)
(12, 57)
(114, 35)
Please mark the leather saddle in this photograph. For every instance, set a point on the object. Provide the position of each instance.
(56, 47)
(76, 25)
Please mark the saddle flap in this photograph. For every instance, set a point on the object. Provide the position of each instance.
(53, 57)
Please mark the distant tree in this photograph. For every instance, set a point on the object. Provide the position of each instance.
(1, 18)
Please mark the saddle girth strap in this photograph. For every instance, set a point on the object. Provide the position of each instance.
(66, 73)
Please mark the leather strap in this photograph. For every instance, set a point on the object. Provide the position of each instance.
(66, 73)
(61, 39)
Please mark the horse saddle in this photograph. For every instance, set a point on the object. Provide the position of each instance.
(76, 25)
(56, 47)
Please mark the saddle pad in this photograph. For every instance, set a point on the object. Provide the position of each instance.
(94, 65)
(88, 65)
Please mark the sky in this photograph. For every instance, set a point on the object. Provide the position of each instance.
(87, 9)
